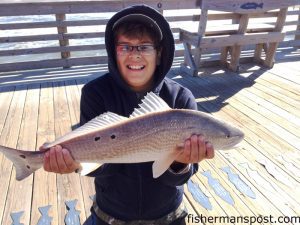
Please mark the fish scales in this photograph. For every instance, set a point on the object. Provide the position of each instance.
(152, 133)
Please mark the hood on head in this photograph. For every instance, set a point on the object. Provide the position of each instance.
(159, 23)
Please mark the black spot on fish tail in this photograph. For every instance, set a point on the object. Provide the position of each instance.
(97, 138)
(28, 167)
(113, 136)
(23, 156)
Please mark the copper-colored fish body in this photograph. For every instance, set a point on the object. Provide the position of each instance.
(150, 134)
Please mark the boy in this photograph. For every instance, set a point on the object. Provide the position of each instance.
(140, 48)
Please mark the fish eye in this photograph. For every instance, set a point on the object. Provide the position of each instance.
(113, 136)
(97, 138)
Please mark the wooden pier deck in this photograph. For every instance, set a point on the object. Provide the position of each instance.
(37, 106)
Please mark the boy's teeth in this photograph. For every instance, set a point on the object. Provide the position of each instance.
(136, 67)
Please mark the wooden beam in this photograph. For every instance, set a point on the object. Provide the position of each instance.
(297, 36)
(52, 63)
(189, 37)
(241, 39)
(57, 7)
(49, 37)
(58, 23)
(44, 50)
(236, 50)
(245, 7)
(61, 31)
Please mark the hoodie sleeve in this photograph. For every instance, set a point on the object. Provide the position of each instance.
(182, 172)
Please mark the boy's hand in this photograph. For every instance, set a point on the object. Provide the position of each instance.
(195, 149)
(59, 160)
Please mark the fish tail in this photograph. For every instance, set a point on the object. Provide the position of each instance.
(25, 162)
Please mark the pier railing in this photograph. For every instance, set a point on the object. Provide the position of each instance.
(49, 34)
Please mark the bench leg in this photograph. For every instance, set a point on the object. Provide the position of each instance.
(257, 53)
(270, 55)
(189, 66)
(224, 55)
(235, 59)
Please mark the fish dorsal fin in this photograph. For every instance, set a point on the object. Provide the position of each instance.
(101, 121)
(151, 103)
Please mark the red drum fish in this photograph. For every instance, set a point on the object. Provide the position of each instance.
(151, 133)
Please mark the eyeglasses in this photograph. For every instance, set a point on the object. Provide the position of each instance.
(144, 49)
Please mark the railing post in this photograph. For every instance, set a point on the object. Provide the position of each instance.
(297, 36)
(64, 41)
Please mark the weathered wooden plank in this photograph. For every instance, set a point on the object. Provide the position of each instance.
(50, 37)
(297, 36)
(47, 37)
(296, 33)
(243, 6)
(236, 50)
(281, 98)
(235, 39)
(277, 112)
(243, 205)
(283, 80)
(238, 208)
(260, 142)
(87, 183)
(284, 202)
(69, 187)
(20, 193)
(260, 203)
(42, 8)
(293, 12)
(47, 24)
(95, 22)
(199, 209)
(50, 63)
(238, 118)
(6, 96)
(243, 119)
(63, 30)
(272, 126)
(241, 39)
(9, 137)
(45, 187)
(45, 50)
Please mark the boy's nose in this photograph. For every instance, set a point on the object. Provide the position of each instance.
(135, 53)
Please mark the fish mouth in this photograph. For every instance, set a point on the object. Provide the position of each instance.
(234, 142)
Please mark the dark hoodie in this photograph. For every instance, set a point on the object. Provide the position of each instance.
(129, 191)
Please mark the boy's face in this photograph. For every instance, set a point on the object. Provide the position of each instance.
(136, 67)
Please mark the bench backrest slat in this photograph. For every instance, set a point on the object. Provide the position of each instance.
(246, 6)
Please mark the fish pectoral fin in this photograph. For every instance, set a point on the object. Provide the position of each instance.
(87, 168)
(161, 165)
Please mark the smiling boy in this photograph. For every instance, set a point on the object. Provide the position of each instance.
(140, 48)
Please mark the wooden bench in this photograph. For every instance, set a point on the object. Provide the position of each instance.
(230, 40)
